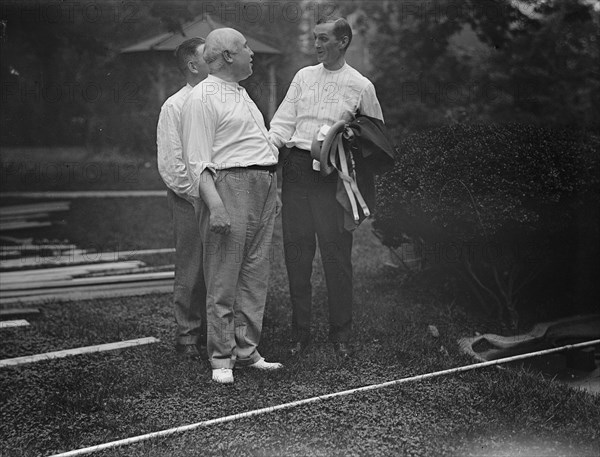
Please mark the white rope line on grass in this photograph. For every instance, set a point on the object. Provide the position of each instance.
(269, 409)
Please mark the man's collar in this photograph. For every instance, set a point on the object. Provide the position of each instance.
(220, 80)
(339, 69)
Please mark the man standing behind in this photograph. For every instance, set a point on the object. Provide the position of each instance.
(231, 165)
(190, 291)
(320, 94)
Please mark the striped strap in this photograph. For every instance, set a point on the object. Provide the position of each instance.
(348, 178)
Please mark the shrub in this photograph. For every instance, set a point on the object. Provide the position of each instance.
(498, 204)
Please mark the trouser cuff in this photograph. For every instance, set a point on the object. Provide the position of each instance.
(185, 340)
(221, 363)
(255, 357)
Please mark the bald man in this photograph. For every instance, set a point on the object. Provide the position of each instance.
(231, 165)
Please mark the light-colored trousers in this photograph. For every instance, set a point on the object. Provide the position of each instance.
(236, 266)
(189, 294)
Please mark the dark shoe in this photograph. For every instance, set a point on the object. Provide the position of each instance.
(298, 348)
(188, 350)
(201, 344)
(342, 350)
(203, 352)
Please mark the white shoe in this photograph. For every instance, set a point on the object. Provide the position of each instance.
(222, 375)
(262, 364)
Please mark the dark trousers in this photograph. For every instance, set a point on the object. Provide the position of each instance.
(310, 208)
(190, 290)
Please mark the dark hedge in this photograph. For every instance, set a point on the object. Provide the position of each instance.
(499, 204)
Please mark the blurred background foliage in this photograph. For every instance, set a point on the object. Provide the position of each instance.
(64, 81)
(487, 61)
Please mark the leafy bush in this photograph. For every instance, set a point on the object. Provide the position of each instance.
(498, 204)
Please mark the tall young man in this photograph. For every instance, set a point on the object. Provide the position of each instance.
(319, 95)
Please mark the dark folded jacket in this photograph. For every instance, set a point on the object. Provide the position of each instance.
(373, 154)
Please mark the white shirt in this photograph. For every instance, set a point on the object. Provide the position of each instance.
(171, 165)
(222, 128)
(318, 97)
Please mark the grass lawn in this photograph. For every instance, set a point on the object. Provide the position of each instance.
(80, 401)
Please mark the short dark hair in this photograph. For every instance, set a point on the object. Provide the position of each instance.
(186, 50)
(341, 27)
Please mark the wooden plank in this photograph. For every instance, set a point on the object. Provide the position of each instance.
(67, 289)
(23, 217)
(17, 313)
(84, 273)
(24, 214)
(78, 351)
(88, 257)
(87, 194)
(8, 252)
(69, 272)
(29, 278)
(170, 267)
(5, 227)
(157, 287)
(34, 208)
(78, 282)
(60, 254)
(15, 323)
(12, 239)
(36, 260)
(75, 268)
(38, 247)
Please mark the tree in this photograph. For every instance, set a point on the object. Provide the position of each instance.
(56, 67)
(551, 66)
(485, 60)
(64, 83)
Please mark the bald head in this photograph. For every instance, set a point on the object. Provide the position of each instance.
(218, 41)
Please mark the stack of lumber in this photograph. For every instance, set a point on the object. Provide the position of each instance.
(37, 250)
(57, 272)
(19, 313)
(79, 282)
(75, 257)
(29, 216)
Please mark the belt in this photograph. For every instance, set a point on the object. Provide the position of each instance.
(297, 149)
(269, 168)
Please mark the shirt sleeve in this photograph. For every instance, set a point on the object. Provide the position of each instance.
(283, 124)
(171, 165)
(198, 124)
(369, 105)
